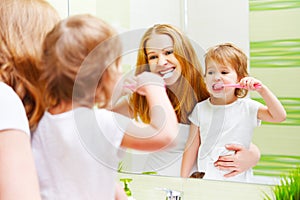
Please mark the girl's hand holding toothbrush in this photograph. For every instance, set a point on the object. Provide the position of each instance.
(251, 83)
(142, 82)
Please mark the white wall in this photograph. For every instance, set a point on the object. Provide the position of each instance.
(144, 14)
(218, 21)
(61, 6)
(209, 22)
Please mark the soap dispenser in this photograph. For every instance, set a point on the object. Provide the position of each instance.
(126, 188)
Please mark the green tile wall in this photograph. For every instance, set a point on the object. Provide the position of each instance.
(275, 60)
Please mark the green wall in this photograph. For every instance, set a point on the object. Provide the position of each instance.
(275, 60)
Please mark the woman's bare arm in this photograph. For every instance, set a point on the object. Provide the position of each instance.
(18, 178)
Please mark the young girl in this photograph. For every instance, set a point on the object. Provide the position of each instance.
(77, 147)
(167, 52)
(226, 117)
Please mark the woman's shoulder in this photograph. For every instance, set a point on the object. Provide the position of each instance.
(6, 90)
(12, 110)
(9, 98)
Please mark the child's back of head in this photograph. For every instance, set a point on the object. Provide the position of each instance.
(77, 54)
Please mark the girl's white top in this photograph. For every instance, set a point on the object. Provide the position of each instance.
(220, 125)
(77, 154)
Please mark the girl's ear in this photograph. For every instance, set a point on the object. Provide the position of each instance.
(107, 84)
(102, 90)
(100, 97)
(116, 67)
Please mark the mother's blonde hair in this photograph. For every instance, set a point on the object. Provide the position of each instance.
(191, 87)
(23, 27)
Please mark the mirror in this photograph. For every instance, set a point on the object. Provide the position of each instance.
(207, 23)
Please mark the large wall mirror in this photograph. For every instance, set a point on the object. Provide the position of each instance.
(269, 34)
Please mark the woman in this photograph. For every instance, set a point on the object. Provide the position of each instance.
(166, 51)
(23, 26)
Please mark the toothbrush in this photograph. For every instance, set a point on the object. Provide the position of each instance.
(257, 85)
(219, 86)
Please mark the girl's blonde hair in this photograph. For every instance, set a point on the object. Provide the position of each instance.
(191, 87)
(77, 53)
(229, 54)
(23, 27)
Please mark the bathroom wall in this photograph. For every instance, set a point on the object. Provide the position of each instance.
(275, 60)
(206, 22)
(61, 6)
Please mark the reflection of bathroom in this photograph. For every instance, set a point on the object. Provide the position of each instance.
(267, 31)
